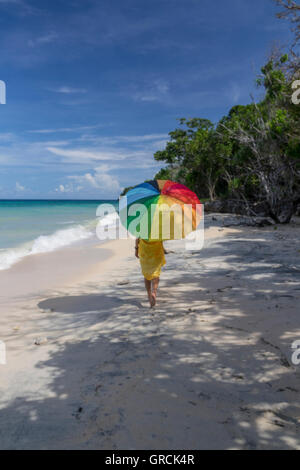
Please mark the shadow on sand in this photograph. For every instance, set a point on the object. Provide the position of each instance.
(164, 382)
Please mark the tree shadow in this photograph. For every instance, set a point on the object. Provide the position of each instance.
(207, 369)
(90, 303)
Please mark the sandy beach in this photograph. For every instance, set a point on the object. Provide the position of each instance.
(91, 366)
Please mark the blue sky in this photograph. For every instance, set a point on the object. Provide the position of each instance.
(94, 86)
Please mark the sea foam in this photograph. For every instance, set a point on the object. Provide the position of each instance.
(44, 244)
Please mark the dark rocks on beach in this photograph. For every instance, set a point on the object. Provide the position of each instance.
(232, 206)
(234, 220)
(249, 221)
(256, 214)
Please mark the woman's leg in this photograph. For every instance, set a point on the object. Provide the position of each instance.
(148, 289)
(155, 283)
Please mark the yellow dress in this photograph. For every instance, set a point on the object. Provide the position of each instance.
(152, 258)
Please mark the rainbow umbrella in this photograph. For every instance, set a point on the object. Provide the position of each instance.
(160, 210)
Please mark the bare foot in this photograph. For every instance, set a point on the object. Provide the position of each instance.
(150, 298)
(153, 299)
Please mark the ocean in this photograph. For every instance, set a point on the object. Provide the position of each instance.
(39, 226)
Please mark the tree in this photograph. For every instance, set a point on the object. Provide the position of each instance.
(291, 11)
(266, 158)
(192, 156)
(253, 153)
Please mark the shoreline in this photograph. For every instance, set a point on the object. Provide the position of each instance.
(66, 265)
(43, 272)
(91, 366)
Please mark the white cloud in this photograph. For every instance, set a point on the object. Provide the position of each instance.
(22, 4)
(11, 1)
(80, 155)
(64, 188)
(7, 136)
(19, 187)
(234, 93)
(64, 129)
(122, 139)
(157, 90)
(44, 39)
(141, 138)
(99, 179)
(69, 90)
(97, 167)
(133, 152)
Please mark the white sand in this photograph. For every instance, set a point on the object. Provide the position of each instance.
(210, 367)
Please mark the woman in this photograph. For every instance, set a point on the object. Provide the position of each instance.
(152, 258)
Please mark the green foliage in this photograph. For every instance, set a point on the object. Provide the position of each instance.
(164, 174)
(194, 156)
(251, 154)
(125, 190)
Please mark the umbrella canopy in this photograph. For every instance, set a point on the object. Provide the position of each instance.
(160, 210)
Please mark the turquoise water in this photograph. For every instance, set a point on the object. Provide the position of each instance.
(28, 227)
